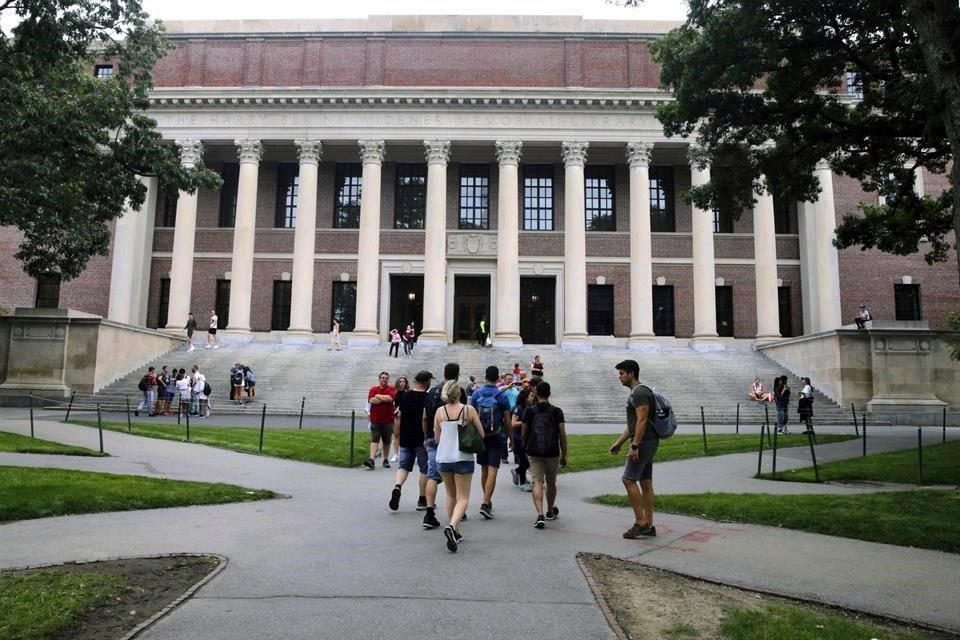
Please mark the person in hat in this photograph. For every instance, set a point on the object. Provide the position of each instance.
(863, 317)
(410, 426)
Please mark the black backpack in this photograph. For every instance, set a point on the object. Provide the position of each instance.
(543, 433)
(432, 403)
(142, 385)
(238, 377)
(206, 389)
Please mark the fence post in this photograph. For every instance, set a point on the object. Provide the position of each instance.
(856, 430)
(864, 434)
(766, 424)
(775, 432)
(303, 400)
(760, 454)
(129, 426)
(100, 427)
(353, 423)
(920, 456)
(188, 426)
(66, 418)
(31, 414)
(738, 418)
(179, 405)
(263, 420)
(813, 456)
(703, 427)
(944, 424)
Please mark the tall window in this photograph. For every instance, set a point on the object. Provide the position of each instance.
(103, 71)
(288, 190)
(785, 309)
(725, 311)
(663, 216)
(411, 196)
(222, 303)
(600, 309)
(538, 197)
(163, 316)
(228, 193)
(907, 301)
(48, 291)
(722, 221)
(784, 214)
(598, 199)
(474, 197)
(168, 214)
(346, 203)
(344, 307)
(854, 85)
(280, 319)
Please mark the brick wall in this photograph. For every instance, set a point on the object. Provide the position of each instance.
(619, 277)
(681, 278)
(17, 288)
(743, 280)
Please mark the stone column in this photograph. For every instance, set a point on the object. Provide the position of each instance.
(368, 256)
(433, 331)
(574, 248)
(808, 267)
(765, 268)
(506, 326)
(704, 274)
(828, 268)
(304, 241)
(641, 263)
(244, 228)
(132, 248)
(184, 232)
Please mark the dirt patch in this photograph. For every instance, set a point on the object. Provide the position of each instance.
(150, 585)
(650, 604)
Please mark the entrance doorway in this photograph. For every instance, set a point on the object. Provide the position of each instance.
(663, 310)
(406, 302)
(537, 310)
(725, 311)
(471, 303)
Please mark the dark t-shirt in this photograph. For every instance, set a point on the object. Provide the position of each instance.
(544, 407)
(431, 413)
(410, 406)
(518, 411)
(640, 396)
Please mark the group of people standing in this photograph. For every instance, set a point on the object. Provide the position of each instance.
(408, 338)
(448, 432)
(781, 397)
(242, 381)
(189, 392)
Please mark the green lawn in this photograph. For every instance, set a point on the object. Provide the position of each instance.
(587, 451)
(941, 465)
(926, 519)
(39, 605)
(41, 493)
(796, 623)
(15, 443)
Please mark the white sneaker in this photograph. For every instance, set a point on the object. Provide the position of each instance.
(525, 487)
(393, 458)
(192, 348)
(216, 346)
(207, 347)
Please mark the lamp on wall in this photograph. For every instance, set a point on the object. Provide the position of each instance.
(411, 296)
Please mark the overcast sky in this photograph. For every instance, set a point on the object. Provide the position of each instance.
(237, 9)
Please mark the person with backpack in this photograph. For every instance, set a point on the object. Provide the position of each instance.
(525, 400)
(781, 395)
(147, 385)
(493, 408)
(251, 383)
(544, 437)
(237, 383)
(638, 469)
(201, 393)
(433, 402)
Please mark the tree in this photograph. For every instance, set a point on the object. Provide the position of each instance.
(73, 145)
(763, 87)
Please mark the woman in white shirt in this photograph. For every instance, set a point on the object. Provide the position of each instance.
(183, 392)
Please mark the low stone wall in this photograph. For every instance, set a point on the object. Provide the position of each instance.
(897, 369)
(51, 352)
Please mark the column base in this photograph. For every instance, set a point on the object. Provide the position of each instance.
(706, 343)
(236, 336)
(507, 341)
(298, 336)
(643, 342)
(363, 340)
(431, 338)
(576, 342)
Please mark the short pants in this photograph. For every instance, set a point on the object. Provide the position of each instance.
(381, 432)
(642, 469)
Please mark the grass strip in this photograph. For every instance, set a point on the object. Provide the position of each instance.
(27, 493)
(796, 623)
(941, 465)
(924, 519)
(40, 605)
(16, 443)
(587, 451)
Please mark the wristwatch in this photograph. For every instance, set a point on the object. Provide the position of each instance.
(634, 446)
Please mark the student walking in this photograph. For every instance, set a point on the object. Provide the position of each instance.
(334, 336)
(213, 340)
(805, 406)
(394, 344)
(148, 385)
(526, 399)
(190, 327)
(411, 438)
(638, 469)
(493, 407)
(544, 437)
(434, 401)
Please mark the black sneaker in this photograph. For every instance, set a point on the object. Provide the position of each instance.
(430, 519)
(451, 537)
(136, 412)
(637, 531)
(486, 511)
(539, 522)
(516, 477)
(553, 514)
(395, 499)
(386, 463)
(422, 503)
(369, 463)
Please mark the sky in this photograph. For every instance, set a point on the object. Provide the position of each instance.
(240, 9)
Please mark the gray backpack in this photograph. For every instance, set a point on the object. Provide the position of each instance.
(664, 420)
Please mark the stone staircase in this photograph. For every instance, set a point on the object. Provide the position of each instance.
(584, 384)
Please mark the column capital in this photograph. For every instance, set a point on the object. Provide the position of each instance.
(574, 153)
(437, 151)
(508, 151)
(697, 156)
(191, 150)
(823, 165)
(372, 151)
(639, 153)
(309, 151)
(249, 150)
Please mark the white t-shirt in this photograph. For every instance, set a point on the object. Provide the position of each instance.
(213, 321)
(199, 380)
(807, 391)
(183, 387)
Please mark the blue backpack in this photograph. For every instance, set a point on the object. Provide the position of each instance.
(491, 415)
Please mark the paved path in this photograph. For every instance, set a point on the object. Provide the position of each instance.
(333, 561)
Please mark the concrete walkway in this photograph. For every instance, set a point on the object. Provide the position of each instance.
(333, 561)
